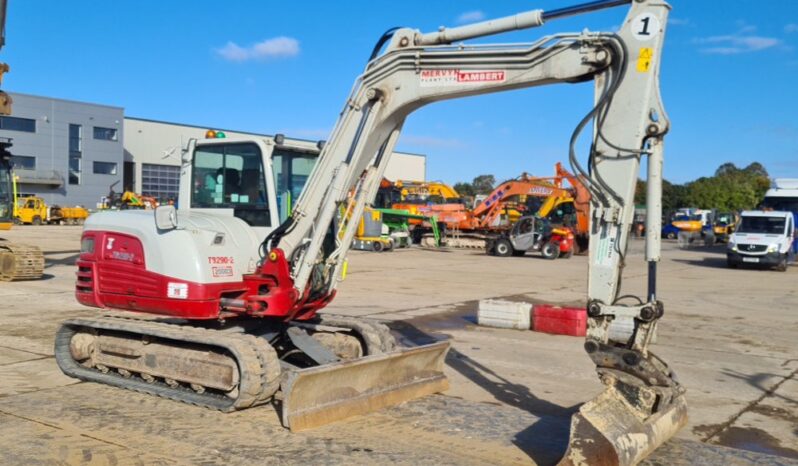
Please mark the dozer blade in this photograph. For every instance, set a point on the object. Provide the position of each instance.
(320, 395)
(607, 431)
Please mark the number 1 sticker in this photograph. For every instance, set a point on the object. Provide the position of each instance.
(645, 26)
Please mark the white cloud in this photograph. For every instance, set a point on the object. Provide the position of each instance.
(732, 44)
(471, 17)
(276, 47)
(790, 28)
(679, 21)
(232, 52)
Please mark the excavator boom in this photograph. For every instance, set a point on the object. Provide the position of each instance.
(629, 124)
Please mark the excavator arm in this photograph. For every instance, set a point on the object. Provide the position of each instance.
(642, 404)
(540, 187)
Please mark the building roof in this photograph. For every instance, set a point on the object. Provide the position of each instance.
(79, 102)
(228, 130)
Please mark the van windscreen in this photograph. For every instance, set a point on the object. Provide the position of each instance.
(764, 225)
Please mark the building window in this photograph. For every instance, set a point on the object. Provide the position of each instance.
(23, 162)
(105, 134)
(75, 137)
(104, 168)
(18, 124)
(160, 181)
(75, 152)
(74, 170)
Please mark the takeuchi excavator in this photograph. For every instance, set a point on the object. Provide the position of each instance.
(239, 319)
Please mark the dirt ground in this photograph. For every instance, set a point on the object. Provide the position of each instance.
(730, 335)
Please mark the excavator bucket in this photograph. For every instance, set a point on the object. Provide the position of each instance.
(608, 431)
(320, 395)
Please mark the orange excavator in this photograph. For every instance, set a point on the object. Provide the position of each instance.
(546, 197)
(581, 208)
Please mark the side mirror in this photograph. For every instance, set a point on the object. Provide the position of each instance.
(166, 217)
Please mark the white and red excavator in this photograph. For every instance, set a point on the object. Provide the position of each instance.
(232, 299)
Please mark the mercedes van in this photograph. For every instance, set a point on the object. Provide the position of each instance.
(762, 238)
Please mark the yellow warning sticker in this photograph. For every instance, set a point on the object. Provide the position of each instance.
(645, 59)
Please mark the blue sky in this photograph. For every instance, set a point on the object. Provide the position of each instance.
(729, 76)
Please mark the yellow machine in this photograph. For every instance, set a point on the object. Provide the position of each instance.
(724, 225)
(371, 234)
(34, 211)
(558, 200)
(416, 197)
(436, 192)
(695, 227)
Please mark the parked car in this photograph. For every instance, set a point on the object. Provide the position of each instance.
(669, 231)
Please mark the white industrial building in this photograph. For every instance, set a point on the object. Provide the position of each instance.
(152, 153)
(66, 152)
(74, 153)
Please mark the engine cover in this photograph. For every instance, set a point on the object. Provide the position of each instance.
(127, 263)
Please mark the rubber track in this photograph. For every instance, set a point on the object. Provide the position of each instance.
(377, 336)
(29, 262)
(259, 368)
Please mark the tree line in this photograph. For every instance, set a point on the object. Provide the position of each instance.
(730, 189)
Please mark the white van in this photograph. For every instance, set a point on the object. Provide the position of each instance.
(762, 238)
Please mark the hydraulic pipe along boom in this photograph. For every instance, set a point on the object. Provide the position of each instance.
(525, 20)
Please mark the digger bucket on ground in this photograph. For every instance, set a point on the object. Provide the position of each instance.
(608, 431)
(320, 395)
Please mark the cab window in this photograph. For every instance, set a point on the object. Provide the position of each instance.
(563, 214)
(291, 172)
(230, 176)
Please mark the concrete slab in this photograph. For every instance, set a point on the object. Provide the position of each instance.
(47, 444)
(729, 334)
(31, 376)
(11, 356)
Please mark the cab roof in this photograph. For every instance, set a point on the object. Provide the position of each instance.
(766, 213)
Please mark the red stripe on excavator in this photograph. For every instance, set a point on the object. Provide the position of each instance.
(113, 275)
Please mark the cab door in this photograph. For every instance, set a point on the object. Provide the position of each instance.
(524, 234)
